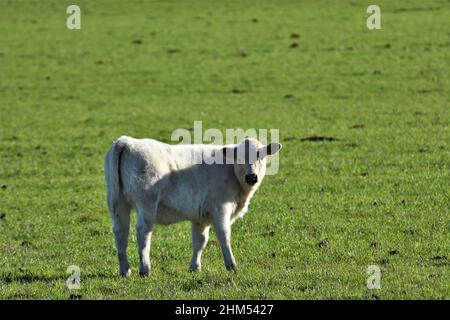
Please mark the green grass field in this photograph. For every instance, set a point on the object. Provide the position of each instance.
(376, 195)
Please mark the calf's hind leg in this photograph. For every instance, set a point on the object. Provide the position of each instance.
(121, 228)
(144, 227)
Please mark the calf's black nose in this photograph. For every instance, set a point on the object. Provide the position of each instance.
(251, 178)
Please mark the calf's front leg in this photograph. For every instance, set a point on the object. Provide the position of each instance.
(222, 225)
(200, 235)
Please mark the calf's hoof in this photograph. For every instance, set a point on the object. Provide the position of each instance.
(144, 273)
(125, 273)
(232, 267)
(195, 268)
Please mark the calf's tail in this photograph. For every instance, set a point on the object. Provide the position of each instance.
(112, 174)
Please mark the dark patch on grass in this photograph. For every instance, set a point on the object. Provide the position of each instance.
(96, 233)
(424, 150)
(237, 91)
(288, 96)
(2, 216)
(172, 51)
(4, 187)
(303, 288)
(74, 205)
(393, 252)
(241, 53)
(137, 41)
(89, 121)
(410, 232)
(295, 35)
(318, 139)
(270, 233)
(399, 10)
(374, 297)
(357, 126)
(26, 243)
(99, 62)
(293, 45)
(325, 243)
(75, 296)
(440, 260)
(443, 45)
(364, 174)
(383, 261)
(374, 245)
(384, 46)
(351, 145)
(424, 91)
(87, 219)
(255, 20)
(290, 138)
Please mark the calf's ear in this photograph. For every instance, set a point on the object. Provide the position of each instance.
(269, 150)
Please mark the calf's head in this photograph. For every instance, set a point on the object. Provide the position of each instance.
(249, 160)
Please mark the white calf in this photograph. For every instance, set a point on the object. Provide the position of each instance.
(166, 184)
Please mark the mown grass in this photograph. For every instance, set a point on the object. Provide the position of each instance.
(378, 194)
